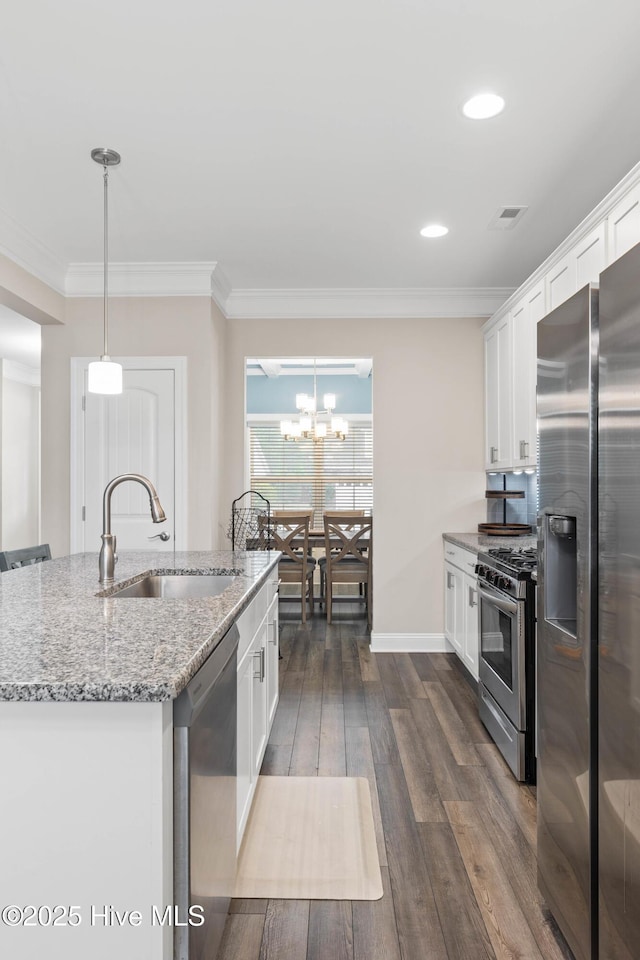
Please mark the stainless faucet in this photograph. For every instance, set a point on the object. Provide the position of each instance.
(107, 559)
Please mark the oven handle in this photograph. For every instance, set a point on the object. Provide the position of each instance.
(502, 603)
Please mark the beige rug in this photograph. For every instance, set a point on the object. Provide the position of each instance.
(310, 838)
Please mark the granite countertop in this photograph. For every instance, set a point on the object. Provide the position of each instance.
(477, 542)
(59, 641)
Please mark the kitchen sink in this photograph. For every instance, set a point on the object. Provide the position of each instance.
(176, 586)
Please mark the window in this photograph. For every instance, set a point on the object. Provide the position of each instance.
(332, 474)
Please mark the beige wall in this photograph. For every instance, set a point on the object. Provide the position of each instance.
(428, 426)
(163, 326)
(20, 457)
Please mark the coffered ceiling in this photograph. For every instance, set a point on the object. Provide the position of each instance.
(303, 145)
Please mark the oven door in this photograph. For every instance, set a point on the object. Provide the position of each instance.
(502, 652)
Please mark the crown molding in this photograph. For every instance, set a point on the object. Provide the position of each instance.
(29, 253)
(366, 303)
(141, 279)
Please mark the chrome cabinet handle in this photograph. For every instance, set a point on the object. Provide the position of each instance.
(260, 674)
(164, 536)
(493, 454)
(472, 602)
(449, 580)
(524, 449)
(274, 639)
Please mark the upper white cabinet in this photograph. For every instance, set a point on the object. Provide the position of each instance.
(498, 394)
(623, 224)
(581, 265)
(524, 319)
(510, 337)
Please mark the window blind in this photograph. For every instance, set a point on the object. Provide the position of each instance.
(331, 474)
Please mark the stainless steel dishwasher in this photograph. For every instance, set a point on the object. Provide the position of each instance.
(204, 798)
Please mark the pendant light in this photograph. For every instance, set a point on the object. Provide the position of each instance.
(105, 376)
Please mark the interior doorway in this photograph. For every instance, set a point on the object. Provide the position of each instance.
(20, 348)
(142, 430)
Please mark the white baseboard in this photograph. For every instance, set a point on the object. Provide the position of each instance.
(410, 643)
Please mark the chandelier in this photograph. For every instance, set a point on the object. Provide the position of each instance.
(312, 423)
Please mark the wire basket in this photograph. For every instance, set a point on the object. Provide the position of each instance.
(244, 527)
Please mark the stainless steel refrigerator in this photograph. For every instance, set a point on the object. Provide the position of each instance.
(566, 671)
(588, 649)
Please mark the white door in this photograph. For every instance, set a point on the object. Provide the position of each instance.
(138, 431)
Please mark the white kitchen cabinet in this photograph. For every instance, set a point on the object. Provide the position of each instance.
(257, 691)
(461, 605)
(273, 653)
(471, 646)
(623, 225)
(524, 321)
(498, 394)
(581, 265)
(454, 613)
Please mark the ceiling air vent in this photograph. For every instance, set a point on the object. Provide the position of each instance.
(507, 217)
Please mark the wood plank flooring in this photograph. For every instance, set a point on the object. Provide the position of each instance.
(455, 831)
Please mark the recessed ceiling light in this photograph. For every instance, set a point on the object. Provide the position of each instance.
(483, 106)
(434, 230)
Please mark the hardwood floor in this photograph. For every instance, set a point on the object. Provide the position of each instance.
(455, 831)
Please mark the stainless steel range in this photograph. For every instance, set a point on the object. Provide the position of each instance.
(506, 687)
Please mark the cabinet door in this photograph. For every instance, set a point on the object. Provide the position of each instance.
(525, 317)
(245, 778)
(498, 395)
(259, 698)
(471, 632)
(453, 610)
(623, 225)
(273, 668)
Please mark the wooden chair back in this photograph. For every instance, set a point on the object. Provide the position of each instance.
(348, 539)
(290, 534)
(295, 514)
(12, 559)
(349, 555)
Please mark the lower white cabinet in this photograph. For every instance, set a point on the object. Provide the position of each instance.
(258, 652)
(461, 606)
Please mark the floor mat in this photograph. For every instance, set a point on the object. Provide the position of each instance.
(310, 838)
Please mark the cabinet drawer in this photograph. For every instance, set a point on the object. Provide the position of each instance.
(250, 620)
(463, 559)
(272, 587)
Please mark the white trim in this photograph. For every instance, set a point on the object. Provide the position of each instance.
(21, 373)
(366, 303)
(597, 216)
(220, 288)
(410, 643)
(141, 279)
(76, 486)
(20, 246)
(274, 417)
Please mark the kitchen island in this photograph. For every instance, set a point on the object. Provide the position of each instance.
(87, 685)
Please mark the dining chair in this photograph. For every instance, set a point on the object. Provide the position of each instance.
(323, 560)
(290, 534)
(12, 559)
(349, 556)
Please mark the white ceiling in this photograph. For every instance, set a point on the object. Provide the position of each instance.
(304, 143)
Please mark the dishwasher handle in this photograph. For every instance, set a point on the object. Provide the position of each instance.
(188, 704)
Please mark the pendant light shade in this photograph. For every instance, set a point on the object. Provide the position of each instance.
(105, 376)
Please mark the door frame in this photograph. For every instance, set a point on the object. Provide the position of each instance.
(76, 486)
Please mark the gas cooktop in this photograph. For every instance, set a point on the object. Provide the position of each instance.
(519, 564)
